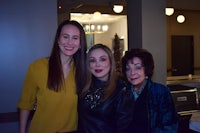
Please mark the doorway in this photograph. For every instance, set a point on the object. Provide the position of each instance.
(182, 55)
(93, 14)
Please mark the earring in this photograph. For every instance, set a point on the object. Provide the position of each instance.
(146, 77)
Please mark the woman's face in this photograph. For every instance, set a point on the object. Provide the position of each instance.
(135, 72)
(69, 40)
(99, 64)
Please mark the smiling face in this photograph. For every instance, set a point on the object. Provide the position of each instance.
(99, 64)
(69, 40)
(135, 72)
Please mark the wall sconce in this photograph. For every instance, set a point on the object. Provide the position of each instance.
(117, 8)
(169, 11)
(180, 19)
(95, 28)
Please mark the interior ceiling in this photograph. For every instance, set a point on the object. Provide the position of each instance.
(105, 7)
(87, 5)
(184, 4)
(89, 18)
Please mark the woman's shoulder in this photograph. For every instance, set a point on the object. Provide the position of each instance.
(40, 61)
(159, 88)
(123, 87)
(39, 65)
(121, 83)
(124, 93)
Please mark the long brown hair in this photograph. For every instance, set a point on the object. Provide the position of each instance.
(55, 75)
(112, 74)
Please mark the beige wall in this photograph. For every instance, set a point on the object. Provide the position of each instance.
(119, 27)
(189, 27)
(148, 32)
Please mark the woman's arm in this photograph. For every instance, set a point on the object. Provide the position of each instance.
(23, 118)
(125, 105)
(168, 114)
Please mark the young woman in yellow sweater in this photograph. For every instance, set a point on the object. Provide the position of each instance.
(53, 83)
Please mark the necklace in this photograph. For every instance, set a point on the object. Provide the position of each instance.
(95, 93)
(93, 97)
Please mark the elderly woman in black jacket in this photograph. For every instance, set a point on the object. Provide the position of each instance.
(154, 110)
(105, 103)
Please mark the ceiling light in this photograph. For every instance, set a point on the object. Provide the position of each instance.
(92, 27)
(180, 19)
(59, 7)
(117, 8)
(169, 11)
(97, 15)
(105, 28)
(95, 28)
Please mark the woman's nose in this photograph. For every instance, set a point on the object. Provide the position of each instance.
(70, 41)
(97, 63)
(132, 71)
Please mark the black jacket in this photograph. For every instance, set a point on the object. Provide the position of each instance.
(155, 110)
(110, 116)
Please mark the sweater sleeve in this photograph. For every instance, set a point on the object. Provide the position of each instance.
(28, 96)
(168, 115)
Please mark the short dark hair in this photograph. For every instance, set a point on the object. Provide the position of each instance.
(144, 55)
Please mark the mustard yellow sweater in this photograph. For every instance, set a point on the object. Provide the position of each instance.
(56, 111)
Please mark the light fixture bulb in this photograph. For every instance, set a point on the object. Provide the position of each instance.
(87, 27)
(97, 15)
(181, 18)
(105, 28)
(117, 8)
(98, 27)
(92, 27)
(169, 11)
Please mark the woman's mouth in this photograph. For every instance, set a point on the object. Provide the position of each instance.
(98, 70)
(132, 79)
(68, 48)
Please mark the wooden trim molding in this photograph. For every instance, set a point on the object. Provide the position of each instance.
(9, 117)
(12, 117)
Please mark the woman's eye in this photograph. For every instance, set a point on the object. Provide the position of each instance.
(127, 68)
(75, 38)
(103, 59)
(138, 67)
(65, 36)
(92, 60)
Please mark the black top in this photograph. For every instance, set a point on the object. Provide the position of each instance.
(110, 116)
(140, 115)
(154, 110)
